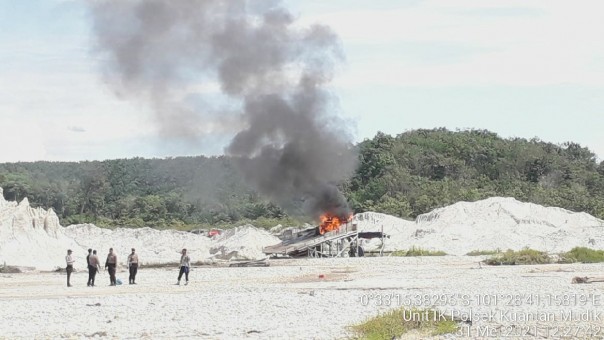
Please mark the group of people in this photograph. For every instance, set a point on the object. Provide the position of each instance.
(94, 266)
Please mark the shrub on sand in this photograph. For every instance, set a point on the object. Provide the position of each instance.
(583, 255)
(393, 324)
(416, 251)
(483, 252)
(524, 256)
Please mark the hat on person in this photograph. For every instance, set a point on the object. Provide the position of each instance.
(69, 250)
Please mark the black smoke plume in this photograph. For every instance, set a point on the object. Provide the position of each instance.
(272, 75)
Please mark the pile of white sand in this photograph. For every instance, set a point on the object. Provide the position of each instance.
(31, 237)
(372, 221)
(242, 243)
(34, 238)
(493, 223)
(152, 246)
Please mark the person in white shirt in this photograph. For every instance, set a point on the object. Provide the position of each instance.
(185, 263)
(69, 269)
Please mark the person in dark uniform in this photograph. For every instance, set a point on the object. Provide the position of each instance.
(88, 264)
(133, 267)
(69, 269)
(111, 264)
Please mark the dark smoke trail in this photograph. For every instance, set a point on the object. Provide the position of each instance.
(275, 74)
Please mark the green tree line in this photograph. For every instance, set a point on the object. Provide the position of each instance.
(420, 170)
(404, 175)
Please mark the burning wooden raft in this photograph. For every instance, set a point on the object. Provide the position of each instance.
(313, 246)
(321, 243)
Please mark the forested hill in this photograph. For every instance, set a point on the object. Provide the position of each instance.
(419, 170)
(402, 175)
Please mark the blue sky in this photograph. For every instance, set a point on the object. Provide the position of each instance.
(518, 68)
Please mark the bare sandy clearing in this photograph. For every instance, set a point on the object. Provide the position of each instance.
(288, 300)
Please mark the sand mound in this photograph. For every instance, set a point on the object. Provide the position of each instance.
(242, 243)
(153, 246)
(497, 222)
(31, 237)
(34, 238)
(372, 221)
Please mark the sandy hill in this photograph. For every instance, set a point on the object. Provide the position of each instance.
(153, 246)
(497, 222)
(30, 236)
(33, 237)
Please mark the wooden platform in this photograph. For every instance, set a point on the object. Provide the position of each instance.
(301, 246)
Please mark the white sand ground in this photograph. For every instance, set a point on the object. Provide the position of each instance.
(289, 301)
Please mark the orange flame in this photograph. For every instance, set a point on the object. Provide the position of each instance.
(331, 223)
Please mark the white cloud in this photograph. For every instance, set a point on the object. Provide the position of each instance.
(555, 42)
(76, 129)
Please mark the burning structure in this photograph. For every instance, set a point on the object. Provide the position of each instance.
(344, 240)
(273, 100)
(331, 223)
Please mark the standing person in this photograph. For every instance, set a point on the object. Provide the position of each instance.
(133, 267)
(69, 269)
(88, 264)
(185, 263)
(94, 265)
(111, 263)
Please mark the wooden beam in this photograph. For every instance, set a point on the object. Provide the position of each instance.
(585, 279)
